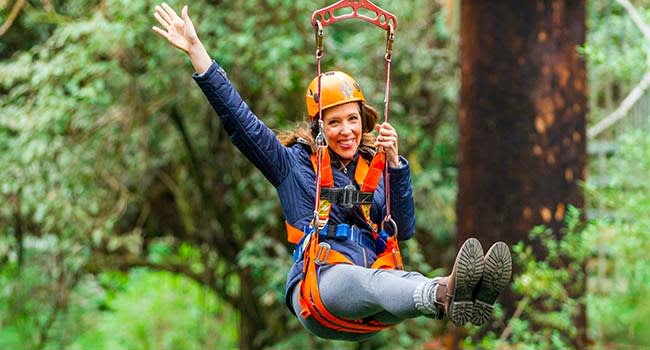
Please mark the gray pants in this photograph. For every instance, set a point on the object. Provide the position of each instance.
(356, 292)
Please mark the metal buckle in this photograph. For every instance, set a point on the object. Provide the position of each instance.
(389, 219)
(396, 260)
(322, 254)
(347, 194)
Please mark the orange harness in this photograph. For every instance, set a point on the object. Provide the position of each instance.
(318, 254)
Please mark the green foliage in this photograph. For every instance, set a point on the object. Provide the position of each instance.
(618, 303)
(35, 294)
(614, 248)
(616, 53)
(92, 161)
(545, 290)
(177, 314)
(97, 174)
(618, 188)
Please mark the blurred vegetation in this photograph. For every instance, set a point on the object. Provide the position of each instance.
(128, 221)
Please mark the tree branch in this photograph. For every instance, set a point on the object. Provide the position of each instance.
(621, 111)
(520, 309)
(61, 302)
(637, 92)
(12, 16)
(103, 262)
(194, 160)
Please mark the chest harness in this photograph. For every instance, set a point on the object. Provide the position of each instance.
(315, 253)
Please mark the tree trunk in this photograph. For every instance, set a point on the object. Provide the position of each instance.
(251, 321)
(522, 121)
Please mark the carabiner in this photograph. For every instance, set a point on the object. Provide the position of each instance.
(320, 137)
(390, 38)
(390, 220)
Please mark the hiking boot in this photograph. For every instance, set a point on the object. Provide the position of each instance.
(496, 275)
(460, 284)
(452, 295)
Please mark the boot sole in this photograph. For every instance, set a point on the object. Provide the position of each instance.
(496, 275)
(469, 269)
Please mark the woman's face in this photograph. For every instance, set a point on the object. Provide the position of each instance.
(343, 129)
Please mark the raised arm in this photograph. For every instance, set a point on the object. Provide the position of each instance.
(247, 132)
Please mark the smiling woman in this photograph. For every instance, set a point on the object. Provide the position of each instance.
(346, 281)
(343, 130)
(348, 121)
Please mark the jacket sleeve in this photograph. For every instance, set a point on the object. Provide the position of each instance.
(402, 206)
(248, 133)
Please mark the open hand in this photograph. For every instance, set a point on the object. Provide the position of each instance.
(178, 31)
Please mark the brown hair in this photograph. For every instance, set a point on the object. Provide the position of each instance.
(307, 132)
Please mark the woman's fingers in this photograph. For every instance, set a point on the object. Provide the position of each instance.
(387, 134)
(161, 32)
(178, 31)
(387, 144)
(161, 20)
(170, 11)
(387, 139)
(184, 14)
(385, 128)
(163, 14)
(188, 22)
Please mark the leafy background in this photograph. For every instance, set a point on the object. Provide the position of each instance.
(128, 221)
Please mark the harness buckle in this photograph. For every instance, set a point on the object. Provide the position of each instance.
(347, 196)
(396, 259)
(322, 254)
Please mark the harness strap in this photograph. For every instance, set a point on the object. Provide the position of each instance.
(340, 232)
(366, 175)
(370, 181)
(374, 172)
(294, 234)
(318, 254)
(390, 258)
(347, 196)
(327, 179)
(311, 302)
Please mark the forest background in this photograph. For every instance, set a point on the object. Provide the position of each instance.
(129, 221)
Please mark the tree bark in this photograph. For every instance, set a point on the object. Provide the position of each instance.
(522, 121)
(251, 320)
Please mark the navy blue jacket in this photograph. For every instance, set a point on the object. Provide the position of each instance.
(290, 171)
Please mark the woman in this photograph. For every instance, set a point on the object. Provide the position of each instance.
(351, 290)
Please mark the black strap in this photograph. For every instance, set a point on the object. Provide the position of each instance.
(346, 196)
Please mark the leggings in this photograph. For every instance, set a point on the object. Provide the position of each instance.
(357, 292)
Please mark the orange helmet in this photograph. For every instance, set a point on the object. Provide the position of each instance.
(336, 88)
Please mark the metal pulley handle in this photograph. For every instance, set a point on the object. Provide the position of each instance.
(382, 18)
